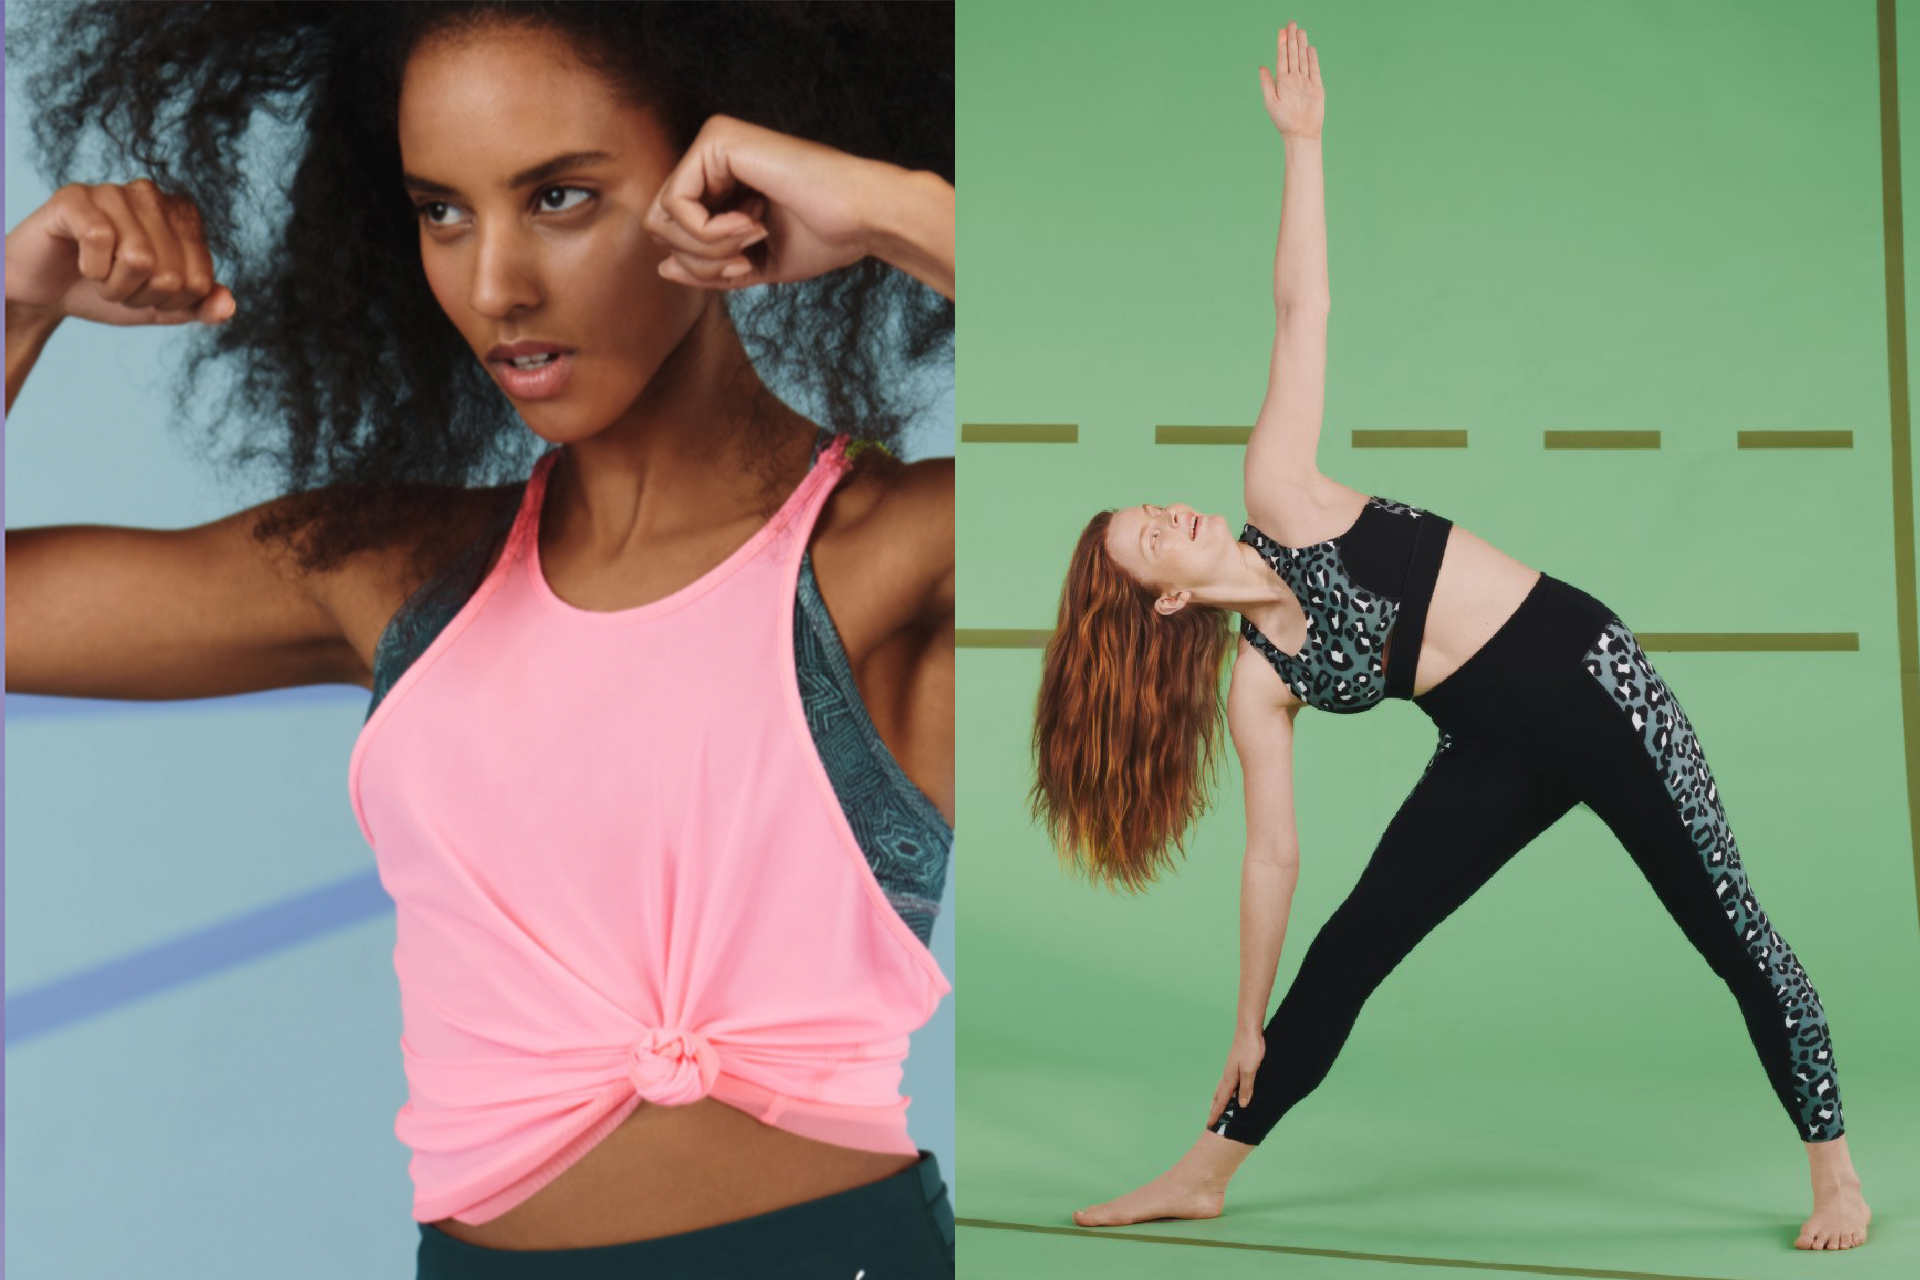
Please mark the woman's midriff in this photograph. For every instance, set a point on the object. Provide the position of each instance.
(1479, 588)
(665, 1170)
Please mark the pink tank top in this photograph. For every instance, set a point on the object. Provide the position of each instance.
(621, 873)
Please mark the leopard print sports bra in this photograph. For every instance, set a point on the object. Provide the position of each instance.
(1365, 596)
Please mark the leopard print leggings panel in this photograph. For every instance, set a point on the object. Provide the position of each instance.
(1561, 707)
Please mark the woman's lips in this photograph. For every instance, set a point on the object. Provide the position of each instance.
(542, 383)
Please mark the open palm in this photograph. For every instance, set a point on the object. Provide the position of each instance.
(1296, 100)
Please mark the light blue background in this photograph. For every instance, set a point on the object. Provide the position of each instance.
(246, 1112)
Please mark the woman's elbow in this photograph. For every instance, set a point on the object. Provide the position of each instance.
(1280, 859)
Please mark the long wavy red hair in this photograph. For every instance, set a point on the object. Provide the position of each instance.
(1127, 731)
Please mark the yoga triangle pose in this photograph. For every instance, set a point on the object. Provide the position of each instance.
(1542, 697)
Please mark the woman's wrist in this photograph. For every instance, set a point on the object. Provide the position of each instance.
(909, 221)
(28, 329)
(32, 322)
(1249, 1019)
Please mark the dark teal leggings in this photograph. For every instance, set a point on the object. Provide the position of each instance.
(893, 1229)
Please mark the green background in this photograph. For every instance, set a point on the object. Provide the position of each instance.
(1542, 217)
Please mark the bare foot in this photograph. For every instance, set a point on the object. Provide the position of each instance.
(1196, 1187)
(1839, 1218)
(1164, 1197)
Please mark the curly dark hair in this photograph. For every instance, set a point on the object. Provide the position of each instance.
(347, 381)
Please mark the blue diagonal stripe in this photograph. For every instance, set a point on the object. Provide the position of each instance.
(181, 960)
(35, 706)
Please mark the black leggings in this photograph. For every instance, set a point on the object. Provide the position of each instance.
(1560, 707)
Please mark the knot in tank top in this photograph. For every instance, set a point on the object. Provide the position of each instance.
(621, 873)
(1365, 594)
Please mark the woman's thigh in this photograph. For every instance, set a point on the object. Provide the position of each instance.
(1475, 805)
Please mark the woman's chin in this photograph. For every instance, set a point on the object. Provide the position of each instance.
(593, 400)
(557, 422)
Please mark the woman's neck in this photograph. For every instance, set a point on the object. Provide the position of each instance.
(706, 439)
(1250, 587)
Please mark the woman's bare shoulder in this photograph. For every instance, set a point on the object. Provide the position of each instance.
(1306, 508)
(883, 553)
(366, 591)
(890, 488)
(1254, 688)
(894, 508)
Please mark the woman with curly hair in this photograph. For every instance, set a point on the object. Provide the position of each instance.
(1542, 696)
(657, 766)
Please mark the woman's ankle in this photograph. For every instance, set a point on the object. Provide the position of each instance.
(1213, 1160)
(1831, 1164)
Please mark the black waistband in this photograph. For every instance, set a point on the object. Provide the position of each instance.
(1534, 652)
(1423, 570)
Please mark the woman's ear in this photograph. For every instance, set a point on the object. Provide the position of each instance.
(1172, 602)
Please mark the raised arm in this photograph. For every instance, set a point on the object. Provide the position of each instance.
(102, 611)
(812, 209)
(1281, 457)
(1260, 716)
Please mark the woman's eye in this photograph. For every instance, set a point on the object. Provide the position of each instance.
(549, 205)
(438, 213)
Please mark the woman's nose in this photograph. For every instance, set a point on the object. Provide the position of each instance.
(503, 278)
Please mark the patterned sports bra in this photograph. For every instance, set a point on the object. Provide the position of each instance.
(1365, 596)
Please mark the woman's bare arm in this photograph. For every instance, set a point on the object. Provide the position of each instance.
(1262, 729)
(27, 336)
(912, 555)
(913, 226)
(1286, 436)
(815, 209)
(1260, 716)
(885, 564)
(100, 611)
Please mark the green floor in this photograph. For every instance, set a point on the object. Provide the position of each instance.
(1371, 1168)
(1555, 1082)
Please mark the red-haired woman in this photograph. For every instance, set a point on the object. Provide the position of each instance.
(1542, 696)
